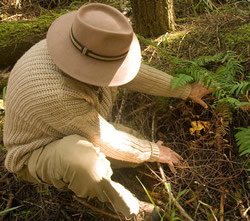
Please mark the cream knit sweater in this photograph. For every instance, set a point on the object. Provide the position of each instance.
(43, 104)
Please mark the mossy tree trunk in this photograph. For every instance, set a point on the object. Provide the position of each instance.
(153, 17)
(16, 37)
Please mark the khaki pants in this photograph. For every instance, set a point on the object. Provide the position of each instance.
(75, 163)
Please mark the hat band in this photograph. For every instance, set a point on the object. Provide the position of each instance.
(86, 52)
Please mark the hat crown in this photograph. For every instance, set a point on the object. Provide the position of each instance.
(102, 29)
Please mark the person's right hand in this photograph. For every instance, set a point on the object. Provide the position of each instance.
(197, 93)
(168, 156)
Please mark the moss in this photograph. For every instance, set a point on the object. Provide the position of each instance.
(212, 33)
(16, 37)
(12, 32)
(237, 39)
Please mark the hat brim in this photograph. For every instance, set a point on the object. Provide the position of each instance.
(86, 69)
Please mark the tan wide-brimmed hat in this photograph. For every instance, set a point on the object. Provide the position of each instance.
(96, 45)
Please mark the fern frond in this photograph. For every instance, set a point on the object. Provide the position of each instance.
(180, 80)
(229, 54)
(240, 88)
(234, 66)
(243, 140)
(219, 93)
(182, 62)
(223, 75)
(205, 60)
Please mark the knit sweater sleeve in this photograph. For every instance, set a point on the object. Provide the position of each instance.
(152, 81)
(83, 119)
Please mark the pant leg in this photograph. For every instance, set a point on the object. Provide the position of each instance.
(75, 163)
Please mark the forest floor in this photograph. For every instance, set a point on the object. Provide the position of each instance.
(212, 183)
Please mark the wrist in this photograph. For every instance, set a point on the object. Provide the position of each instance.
(155, 152)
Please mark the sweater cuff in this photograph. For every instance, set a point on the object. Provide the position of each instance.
(186, 90)
(155, 153)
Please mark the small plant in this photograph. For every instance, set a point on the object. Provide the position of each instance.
(8, 210)
(243, 140)
(169, 208)
(222, 72)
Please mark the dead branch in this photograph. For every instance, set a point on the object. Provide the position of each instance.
(95, 209)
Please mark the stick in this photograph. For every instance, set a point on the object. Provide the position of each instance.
(9, 204)
(164, 180)
(124, 97)
(222, 206)
(210, 209)
(95, 209)
(179, 207)
(141, 108)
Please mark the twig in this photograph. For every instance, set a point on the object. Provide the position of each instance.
(221, 207)
(153, 127)
(141, 108)
(159, 42)
(164, 180)
(217, 35)
(179, 207)
(65, 215)
(124, 97)
(13, 16)
(9, 204)
(210, 209)
(245, 213)
(32, 217)
(179, 47)
(95, 209)
(3, 178)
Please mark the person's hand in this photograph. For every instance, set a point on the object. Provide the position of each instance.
(197, 92)
(168, 156)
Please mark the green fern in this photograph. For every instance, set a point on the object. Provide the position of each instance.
(205, 60)
(224, 78)
(223, 72)
(180, 80)
(243, 140)
(240, 88)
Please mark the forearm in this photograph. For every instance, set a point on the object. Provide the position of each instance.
(152, 81)
(113, 143)
(124, 146)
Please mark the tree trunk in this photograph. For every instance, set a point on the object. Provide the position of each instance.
(171, 15)
(153, 17)
(16, 37)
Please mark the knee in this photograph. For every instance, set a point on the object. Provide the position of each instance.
(81, 158)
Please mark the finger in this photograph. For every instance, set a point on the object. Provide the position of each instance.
(208, 91)
(201, 102)
(159, 142)
(179, 157)
(176, 159)
(172, 169)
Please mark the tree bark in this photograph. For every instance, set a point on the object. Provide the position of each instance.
(153, 17)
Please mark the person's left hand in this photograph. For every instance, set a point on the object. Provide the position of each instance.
(197, 92)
